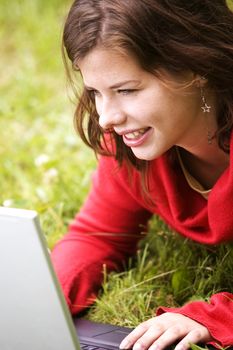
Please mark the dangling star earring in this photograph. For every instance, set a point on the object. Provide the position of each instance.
(206, 109)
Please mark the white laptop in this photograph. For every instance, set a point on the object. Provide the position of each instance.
(33, 312)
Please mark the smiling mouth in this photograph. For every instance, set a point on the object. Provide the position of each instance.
(138, 137)
(136, 134)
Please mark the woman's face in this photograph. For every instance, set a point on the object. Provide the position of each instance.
(149, 116)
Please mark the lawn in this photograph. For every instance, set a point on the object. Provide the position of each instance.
(44, 166)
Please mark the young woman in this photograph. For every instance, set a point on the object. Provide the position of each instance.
(157, 106)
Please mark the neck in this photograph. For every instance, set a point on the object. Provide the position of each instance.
(206, 164)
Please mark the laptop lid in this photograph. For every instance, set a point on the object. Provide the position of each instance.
(33, 312)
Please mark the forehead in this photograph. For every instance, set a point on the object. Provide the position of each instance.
(109, 64)
(107, 67)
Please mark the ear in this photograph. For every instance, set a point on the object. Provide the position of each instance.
(200, 81)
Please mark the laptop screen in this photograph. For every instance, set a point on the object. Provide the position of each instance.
(33, 313)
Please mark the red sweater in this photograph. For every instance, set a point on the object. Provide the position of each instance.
(107, 230)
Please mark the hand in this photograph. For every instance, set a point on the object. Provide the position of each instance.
(159, 332)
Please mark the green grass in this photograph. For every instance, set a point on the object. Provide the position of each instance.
(36, 117)
(168, 270)
(44, 166)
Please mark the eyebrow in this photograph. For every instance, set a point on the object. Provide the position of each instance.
(117, 85)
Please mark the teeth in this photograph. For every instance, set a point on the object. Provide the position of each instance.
(135, 134)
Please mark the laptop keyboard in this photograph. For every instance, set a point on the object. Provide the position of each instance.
(91, 347)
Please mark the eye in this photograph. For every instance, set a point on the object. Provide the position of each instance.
(126, 91)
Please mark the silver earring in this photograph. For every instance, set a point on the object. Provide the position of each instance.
(206, 109)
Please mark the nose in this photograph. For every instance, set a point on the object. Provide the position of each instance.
(110, 115)
(109, 121)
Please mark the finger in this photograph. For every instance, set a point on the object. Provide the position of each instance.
(168, 337)
(195, 336)
(148, 338)
(129, 341)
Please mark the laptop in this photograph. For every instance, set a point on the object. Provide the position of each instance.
(33, 312)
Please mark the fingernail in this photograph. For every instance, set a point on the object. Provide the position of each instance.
(180, 347)
(137, 346)
(154, 347)
(125, 344)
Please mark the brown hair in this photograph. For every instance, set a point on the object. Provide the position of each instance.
(176, 35)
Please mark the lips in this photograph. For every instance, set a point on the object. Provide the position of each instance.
(137, 137)
(135, 134)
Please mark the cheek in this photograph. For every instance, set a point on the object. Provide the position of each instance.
(144, 107)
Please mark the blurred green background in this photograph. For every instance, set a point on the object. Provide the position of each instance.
(44, 165)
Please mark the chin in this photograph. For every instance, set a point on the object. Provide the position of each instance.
(151, 153)
(147, 157)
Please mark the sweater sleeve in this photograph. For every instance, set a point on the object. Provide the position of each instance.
(215, 315)
(104, 233)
